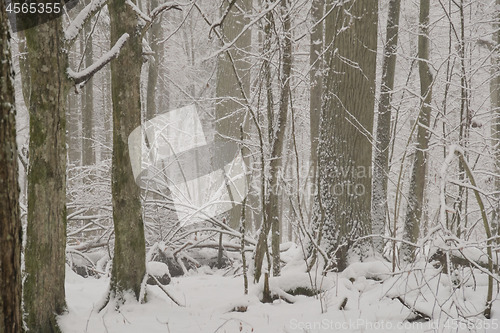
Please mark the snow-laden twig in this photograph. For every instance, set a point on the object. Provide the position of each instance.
(87, 73)
(455, 150)
(228, 45)
(156, 12)
(74, 28)
(442, 174)
(165, 291)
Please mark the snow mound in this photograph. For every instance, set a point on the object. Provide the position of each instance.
(157, 268)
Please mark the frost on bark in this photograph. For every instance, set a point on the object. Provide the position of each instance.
(262, 248)
(10, 220)
(44, 295)
(277, 138)
(276, 164)
(129, 267)
(230, 107)
(381, 160)
(345, 146)
(419, 170)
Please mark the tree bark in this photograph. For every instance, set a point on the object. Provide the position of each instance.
(44, 294)
(129, 267)
(345, 147)
(316, 79)
(419, 170)
(262, 248)
(382, 146)
(230, 108)
(495, 108)
(10, 220)
(88, 154)
(154, 62)
(274, 205)
(277, 138)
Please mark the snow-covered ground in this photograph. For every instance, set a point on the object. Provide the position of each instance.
(210, 297)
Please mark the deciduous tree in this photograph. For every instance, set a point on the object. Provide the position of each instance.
(10, 220)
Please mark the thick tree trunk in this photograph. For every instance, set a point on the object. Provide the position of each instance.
(381, 161)
(345, 147)
(44, 294)
(419, 171)
(10, 220)
(129, 267)
(230, 107)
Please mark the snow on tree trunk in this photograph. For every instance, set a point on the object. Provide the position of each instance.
(381, 160)
(262, 247)
(345, 146)
(419, 170)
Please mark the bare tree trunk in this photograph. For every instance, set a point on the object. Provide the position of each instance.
(129, 267)
(154, 63)
(276, 133)
(419, 171)
(495, 108)
(229, 110)
(381, 161)
(10, 218)
(316, 79)
(461, 216)
(88, 154)
(108, 114)
(73, 132)
(262, 248)
(345, 147)
(44, 295)
(273, 206)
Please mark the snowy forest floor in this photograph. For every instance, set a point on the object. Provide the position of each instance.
(377, 301)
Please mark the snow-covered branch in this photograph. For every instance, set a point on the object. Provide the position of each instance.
(156, 12)
(138, 11)
(87, 73)
(90, 10)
